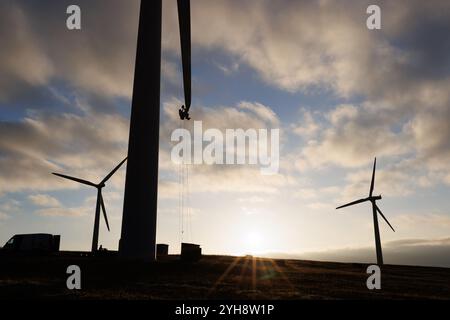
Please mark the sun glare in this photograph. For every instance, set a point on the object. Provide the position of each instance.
(253, 243)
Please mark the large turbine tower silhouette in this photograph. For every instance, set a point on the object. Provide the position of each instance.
(375, 209)
(138, 235)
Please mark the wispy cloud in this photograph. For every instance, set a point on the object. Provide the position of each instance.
(37, 146)
(421, 252)
(3, 216)
(44, 200)
(62, 212)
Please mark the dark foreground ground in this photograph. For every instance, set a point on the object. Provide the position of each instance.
(214, 277)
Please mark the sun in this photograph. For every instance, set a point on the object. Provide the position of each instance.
(253, 242)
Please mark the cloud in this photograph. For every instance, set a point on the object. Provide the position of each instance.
(44, 200)
(243, 115)
(52, 207)
(424, 220)
(413, 153)
(228, 69)
(42, 53)
(294, 45)
(403, 80)
(41, 144)
(318, 198)
(307, 127)
(302, 45)
(418, 242)
(402, 74)
(307, 193)
(100, 57)
(419, 252)
(10, 205)
(252, 199)
(8, 208)
(352, 137)
(169, 189)
(431, 132)
(391, 182)
(83, 145)
(319, 205)
(22, 59)
(4, 216)
(238, 178)
(263, 112)
(62, 212)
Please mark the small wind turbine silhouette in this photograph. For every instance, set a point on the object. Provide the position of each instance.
(100, 201)
(375, 208)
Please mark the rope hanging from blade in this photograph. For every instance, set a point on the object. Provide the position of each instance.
(185, 213)
(184, 19)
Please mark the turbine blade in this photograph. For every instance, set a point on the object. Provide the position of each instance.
(352, 203)
(104, 210)
(75, 179)
(184, 21)
(381, 213)
(372, 184)
(113, 171)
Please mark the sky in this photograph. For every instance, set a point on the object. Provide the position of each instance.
(339, 93)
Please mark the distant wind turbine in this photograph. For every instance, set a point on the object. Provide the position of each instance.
(100, 201)
(375, 208)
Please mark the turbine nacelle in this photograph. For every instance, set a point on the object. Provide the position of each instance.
(101, 185)
(375, 198)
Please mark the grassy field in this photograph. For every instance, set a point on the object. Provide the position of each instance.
(214, 277)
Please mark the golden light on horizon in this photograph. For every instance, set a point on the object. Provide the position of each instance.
(253, 242)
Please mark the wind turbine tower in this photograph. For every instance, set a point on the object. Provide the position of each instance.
(138, 236)
(375, 209)
(100, 202)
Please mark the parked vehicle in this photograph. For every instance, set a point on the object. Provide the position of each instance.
(33, 243)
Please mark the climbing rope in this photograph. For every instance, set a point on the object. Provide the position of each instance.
(185, 210)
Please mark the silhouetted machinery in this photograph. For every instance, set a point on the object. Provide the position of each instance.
(162, 250)
(33, 243)
(190, 252)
